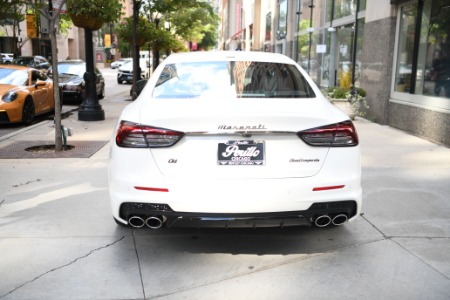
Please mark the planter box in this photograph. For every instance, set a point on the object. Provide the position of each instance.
(345, 106)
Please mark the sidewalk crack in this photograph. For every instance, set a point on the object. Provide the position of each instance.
(63, 266)
(392, 238)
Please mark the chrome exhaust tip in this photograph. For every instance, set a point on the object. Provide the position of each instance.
(339, 219)
(154, 222)
(136, 221)
(322, 221)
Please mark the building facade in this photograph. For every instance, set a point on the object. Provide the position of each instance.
(31, 37)
(397, 50)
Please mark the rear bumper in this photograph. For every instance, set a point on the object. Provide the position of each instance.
(173, 219)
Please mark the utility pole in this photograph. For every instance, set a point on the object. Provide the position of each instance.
(332, 63)
(311, 6)
(355, 45)
(135, 48)
(90, 109)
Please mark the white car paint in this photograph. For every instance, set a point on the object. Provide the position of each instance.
(188, 177)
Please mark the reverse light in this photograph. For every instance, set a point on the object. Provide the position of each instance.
(10, 97)
(134, 135)
(335, 135)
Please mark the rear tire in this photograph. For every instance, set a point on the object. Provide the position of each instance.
(28, 111)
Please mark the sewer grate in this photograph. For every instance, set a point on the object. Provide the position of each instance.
(78, 149)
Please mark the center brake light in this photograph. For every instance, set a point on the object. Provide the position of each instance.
(335, 135)
(134, 135)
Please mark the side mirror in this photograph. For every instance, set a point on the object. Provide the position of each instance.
(39, 83)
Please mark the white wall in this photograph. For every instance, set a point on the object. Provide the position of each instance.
(377, 10)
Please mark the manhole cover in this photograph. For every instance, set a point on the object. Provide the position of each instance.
(47, 148)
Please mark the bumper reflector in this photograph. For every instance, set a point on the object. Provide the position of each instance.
(326, 188)
(143, 188)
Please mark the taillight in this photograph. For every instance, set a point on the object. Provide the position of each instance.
(134, 135)
(335, 135)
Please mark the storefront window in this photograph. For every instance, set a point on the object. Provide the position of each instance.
(432, 60)
(433, 64)
(344, 8)
(282, 19)
(405, 48)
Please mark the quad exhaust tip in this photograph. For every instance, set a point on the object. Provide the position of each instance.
(339, 219)
(136, 222)
(323, 221)
(154, 222)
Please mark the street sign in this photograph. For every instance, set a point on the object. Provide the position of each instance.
(56, 4)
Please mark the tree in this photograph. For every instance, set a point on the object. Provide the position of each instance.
(195, 23)
(145, 31)
(11, 14)
(53, 18)
(189, 29)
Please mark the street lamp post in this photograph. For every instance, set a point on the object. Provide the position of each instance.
(311, 6)
(355, 43)
(90, 109)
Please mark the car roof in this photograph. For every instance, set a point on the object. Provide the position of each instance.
(72, 61)
(16, 67)
(228, 56)
(31, 57)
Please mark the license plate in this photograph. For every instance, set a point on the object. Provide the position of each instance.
(130, 78)
(241, 153)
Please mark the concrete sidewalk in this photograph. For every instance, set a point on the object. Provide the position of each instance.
(86, 139)
(58, 239)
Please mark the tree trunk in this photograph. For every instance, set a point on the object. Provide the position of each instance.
(56, 94)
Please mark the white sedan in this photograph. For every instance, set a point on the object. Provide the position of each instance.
(118, 63)
(233, 139)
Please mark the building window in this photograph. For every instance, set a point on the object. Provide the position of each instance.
(433, 64)
(282, 19)
(405, 48)
(268, 26)
(423, 54)
(344, 8)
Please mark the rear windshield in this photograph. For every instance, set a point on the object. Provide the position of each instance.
(236, 79)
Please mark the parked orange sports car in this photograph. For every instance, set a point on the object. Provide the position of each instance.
(24, 93)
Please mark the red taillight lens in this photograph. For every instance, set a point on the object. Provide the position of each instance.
(336, 135)
(133, 135)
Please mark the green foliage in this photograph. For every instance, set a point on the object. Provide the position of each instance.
(344, 93)
(209, 40)
(108, 11)
(337, 92)
(64, 23)
(145, 31)
(345, 79)
(356, 97)
(10, 12)
(192, 20)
